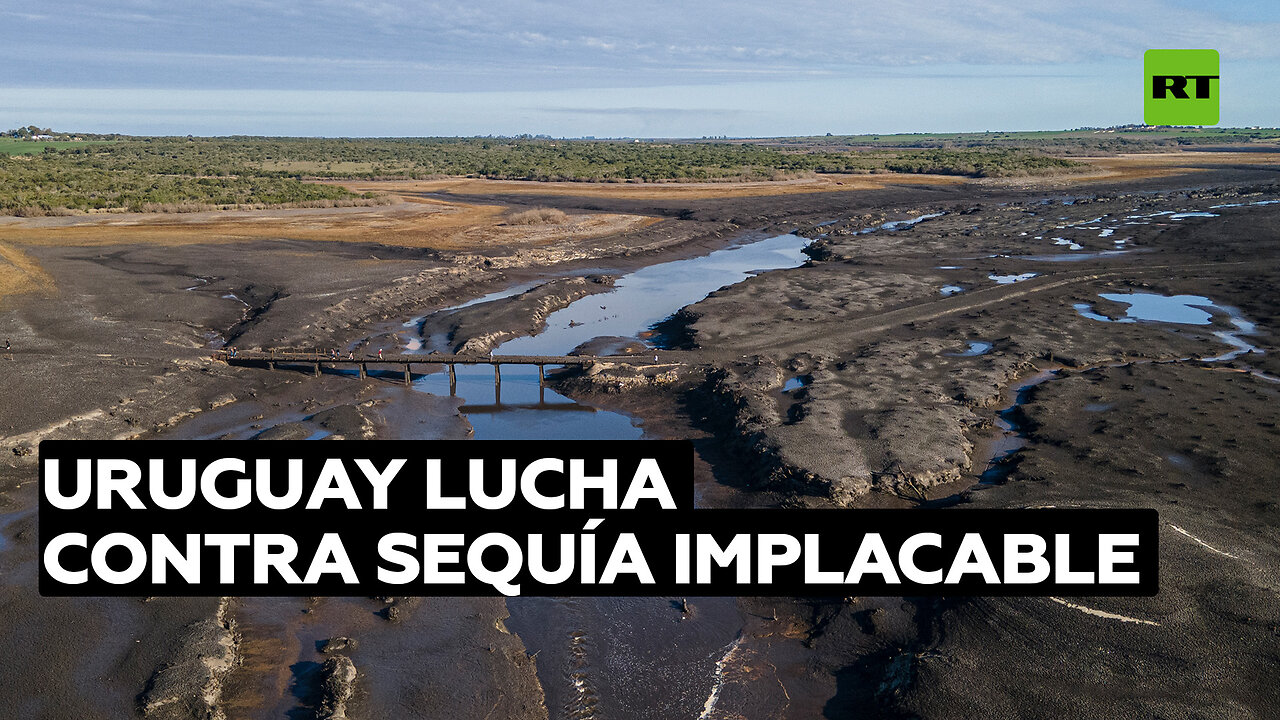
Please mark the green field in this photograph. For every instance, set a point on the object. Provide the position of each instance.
(14, 146)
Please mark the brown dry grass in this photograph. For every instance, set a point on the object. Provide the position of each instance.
(1144, 166)
(431, 223)
(1117, 168)
(692, 191)
(538, 216)
(419, 223)
(20, 273)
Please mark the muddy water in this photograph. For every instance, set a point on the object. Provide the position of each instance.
(596, 657)
(644, 298)
(520, 409)
(1012, 435)
(7, 519)
(626, 657)
(614, 657)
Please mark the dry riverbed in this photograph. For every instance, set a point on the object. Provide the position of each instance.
(872, 376)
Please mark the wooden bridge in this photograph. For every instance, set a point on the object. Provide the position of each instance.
(315, 359)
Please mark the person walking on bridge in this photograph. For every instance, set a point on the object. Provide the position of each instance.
(379, 353)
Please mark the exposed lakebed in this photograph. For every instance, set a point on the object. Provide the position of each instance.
(521, 409)
(613, 657)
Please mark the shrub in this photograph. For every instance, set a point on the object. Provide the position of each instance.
(538, 216)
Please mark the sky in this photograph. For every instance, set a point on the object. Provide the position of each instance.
(611, 69)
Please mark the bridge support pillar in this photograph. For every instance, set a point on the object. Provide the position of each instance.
(364, 371)
(317, 370)
(453, 380)
(497, 375)
(408, 377)
(542, 378)
(271, 364)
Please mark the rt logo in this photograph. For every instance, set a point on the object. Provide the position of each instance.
(1181, 87)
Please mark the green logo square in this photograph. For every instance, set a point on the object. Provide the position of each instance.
(1181, 87)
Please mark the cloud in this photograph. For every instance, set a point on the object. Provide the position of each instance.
(641, 112)
(636, 68)
(403, 44)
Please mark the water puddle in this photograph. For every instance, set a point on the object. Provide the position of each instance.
(795, 383)
(900, 224)
(7, 519)
(949, 290)
(1179, 216)
(1071, 245)
(1010, 279)
(1072, 257)
(976, 348)
(1180, 310)
(1013, 436)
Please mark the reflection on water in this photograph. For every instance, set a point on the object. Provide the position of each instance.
(612, 657)
(1074, 257)
(650, 295)
(1010, 279)
(519, 409)
(976, 348)
(1012, 436)
(615, 657)
(795, 383)
(900, 224)
(1184, 309)
(7, 519)
(1181, 310)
